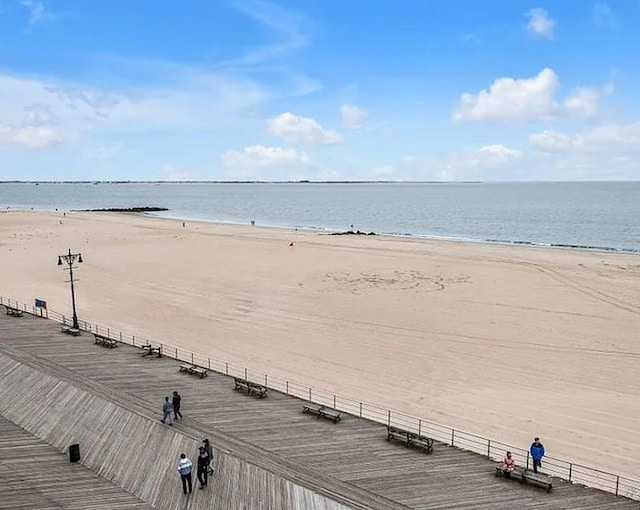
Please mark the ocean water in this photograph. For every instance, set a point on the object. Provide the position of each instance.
(591, 215)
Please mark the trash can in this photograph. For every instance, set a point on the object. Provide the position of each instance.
(74, 453)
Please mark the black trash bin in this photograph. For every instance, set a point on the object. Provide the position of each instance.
(74, 453)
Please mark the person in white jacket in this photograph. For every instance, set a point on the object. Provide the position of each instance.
(184, 468)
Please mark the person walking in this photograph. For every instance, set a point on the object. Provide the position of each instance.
(203, 467)
(537, 452)
(177, 399)
(184, 468)
(167, 410)
(207, 447)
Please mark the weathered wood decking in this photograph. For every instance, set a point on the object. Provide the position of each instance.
(350, 462)
(34, 475)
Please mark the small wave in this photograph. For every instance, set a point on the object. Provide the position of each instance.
(565, 246)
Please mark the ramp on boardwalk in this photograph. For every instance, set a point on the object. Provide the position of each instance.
(36, 476)
(269, 455)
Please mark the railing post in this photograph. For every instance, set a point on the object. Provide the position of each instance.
(617, 484)
(389, 418)
(226, 368)
(419, 427)
(133, 340)
(245, 375)
(209, 363)
(161, 351)
(570, 470)
(453, 433)
(108, 333)
(176, 353)
(192, 358)
(488, 447)
(287, 385)
(360, 409)
(120, 336)
(527, 460)
(334, 401)
(265, 380)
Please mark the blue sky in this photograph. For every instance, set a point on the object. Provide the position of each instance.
(325, 89)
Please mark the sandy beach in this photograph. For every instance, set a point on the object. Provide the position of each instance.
(503, 341)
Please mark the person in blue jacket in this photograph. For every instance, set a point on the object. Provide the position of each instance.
(537, 452)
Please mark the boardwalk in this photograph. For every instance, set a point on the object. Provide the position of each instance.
(349, 462)
(34, 475)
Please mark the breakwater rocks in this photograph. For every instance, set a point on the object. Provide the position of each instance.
(128, 209)
(353, 233)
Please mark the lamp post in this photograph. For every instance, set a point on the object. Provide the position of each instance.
(70, 259)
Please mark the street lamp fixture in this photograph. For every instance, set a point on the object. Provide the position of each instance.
(70, 259)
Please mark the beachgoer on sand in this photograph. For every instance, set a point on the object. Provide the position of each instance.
(537, 452)
(184, 468)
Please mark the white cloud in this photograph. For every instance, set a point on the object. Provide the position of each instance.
(174, 173)
(583, 103)
(471, 38)
(383, 171)
(38, 13)
(603, 15)
(605, 138)
(499, 152)
(530, 100)
(285, 24)
(30, 137)
(259, 156)
(540, 24)
(353, 117)
(103, 152)
(512, 100)
(194, 100)
(297, 129)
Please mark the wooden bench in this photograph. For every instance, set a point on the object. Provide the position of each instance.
(15, 312)
(70, 330)
(526, 476)
(193, 370)
(150, 350)
(324, 411)
(105, 341)
(410, 438)
(250, 388)
(425, 443)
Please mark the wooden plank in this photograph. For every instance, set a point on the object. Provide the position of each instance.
(353, 461)
(36, 476)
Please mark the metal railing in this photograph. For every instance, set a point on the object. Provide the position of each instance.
(569, 471)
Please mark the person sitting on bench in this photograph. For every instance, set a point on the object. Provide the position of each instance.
(508, 465)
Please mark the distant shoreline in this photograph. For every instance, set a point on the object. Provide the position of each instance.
(156, 212)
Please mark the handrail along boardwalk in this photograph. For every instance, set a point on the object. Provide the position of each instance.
(591, 477)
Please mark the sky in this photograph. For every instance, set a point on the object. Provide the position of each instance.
(415, 90)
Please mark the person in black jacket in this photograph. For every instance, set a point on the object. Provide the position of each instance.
(203, 467)
(209, 449)
(177, 399)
